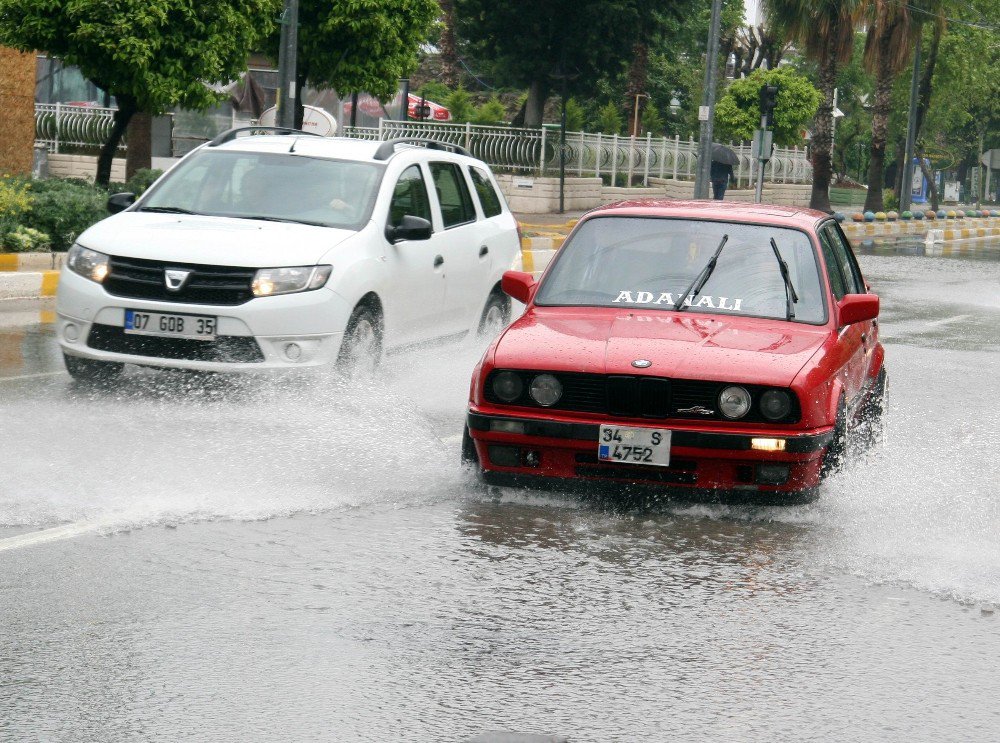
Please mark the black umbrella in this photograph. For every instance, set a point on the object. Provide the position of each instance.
(724, 155)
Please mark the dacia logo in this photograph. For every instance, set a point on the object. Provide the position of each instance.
(175, 279)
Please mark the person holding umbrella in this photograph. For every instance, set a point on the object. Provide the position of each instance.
(723, 160)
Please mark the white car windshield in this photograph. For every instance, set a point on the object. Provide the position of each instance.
(283, 187)
(654, 263)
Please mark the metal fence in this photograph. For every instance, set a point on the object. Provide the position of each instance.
(60, 125)
(628, 161)
(625, 160)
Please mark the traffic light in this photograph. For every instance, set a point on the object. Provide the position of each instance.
(768, 100)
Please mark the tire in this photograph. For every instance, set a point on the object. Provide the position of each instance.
(470, 457)
(496, 315)
(361, 350)
(90, 371)
(872, 427)
(836, 450)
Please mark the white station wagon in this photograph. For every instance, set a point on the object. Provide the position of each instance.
(286, 249)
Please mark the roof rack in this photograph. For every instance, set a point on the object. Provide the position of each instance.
(388, 148)
(230, 134)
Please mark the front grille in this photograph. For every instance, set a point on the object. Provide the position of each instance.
(629, 396)
(136, 278)
(226, 348)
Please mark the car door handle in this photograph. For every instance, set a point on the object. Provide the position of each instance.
(483, 251)
(438, 260)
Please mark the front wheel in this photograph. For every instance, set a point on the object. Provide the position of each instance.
(361, 350)
(496, 315)
(836, 450)
(91, 371)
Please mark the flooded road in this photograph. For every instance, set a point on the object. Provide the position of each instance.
(297, 559)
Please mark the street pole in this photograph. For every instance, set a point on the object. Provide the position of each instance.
(911, 132)
(707, 111)
(758, 195)
(635, 116)
(562, 151)
(287, 61)
(404, 102)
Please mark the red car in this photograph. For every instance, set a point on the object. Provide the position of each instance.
(705, 348)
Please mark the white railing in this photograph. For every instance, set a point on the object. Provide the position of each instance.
(628, 160)
(58, 125)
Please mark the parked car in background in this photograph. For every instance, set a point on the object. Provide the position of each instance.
(287, 250)
(700, 347)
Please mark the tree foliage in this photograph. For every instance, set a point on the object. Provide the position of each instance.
(150, 54)
(356, 46)
(737, 113)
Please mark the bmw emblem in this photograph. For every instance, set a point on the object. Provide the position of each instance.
(642, 363)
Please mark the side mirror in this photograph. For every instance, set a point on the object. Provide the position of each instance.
(120, 202)
(857, 308)
(518, 285)
(409, 228)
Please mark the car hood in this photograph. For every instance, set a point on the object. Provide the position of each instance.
(679, 345)
(222, 241)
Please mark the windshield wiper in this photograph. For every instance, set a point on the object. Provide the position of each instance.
(790, 295)
(165, 209)
(263, 218)
(701, 279)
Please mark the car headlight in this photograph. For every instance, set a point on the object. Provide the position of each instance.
(88, 263)
(775, 404)
(507, 386)
(734, 402)
(287, 280)
(545, 390)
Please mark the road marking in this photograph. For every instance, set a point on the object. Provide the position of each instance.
(32, 376)
(67, 531)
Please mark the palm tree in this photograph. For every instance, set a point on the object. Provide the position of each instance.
(888, 45)
(824, 31)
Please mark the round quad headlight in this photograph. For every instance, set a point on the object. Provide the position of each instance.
(775, 404)
(507, 386)
(545, 390)
(734, 402)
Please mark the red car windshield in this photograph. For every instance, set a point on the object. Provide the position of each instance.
(650, 262)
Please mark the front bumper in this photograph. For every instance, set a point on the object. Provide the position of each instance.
(281, 332)
(560, 451)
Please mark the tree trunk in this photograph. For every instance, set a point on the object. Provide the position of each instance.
(931, 185)
(300, 86)
(140, 143)
(880, 132)
(637, 75)
(446, 45)
(900, 156)
(534, 108)
(822, 138)
(126, 109)
(925, 88)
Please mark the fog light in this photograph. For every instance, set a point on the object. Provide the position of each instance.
(767, 444)
(772, 474)
(505, 456)
(532, 458)
(71, 332)
(293, 352)
(502, 426)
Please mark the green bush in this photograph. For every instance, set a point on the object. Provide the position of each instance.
(491, 113)
(609, 119)
(63, 208)
(23, 239)
(574, 115)
(434, 90)
(460, 106)
(889, 200)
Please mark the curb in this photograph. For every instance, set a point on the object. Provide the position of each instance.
(31, 261)
(28, 284)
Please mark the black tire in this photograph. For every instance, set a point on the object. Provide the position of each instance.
(361, 350)
(836, 450)
(90, 371)
(872, 426)
(496, 315)
(470, 457)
